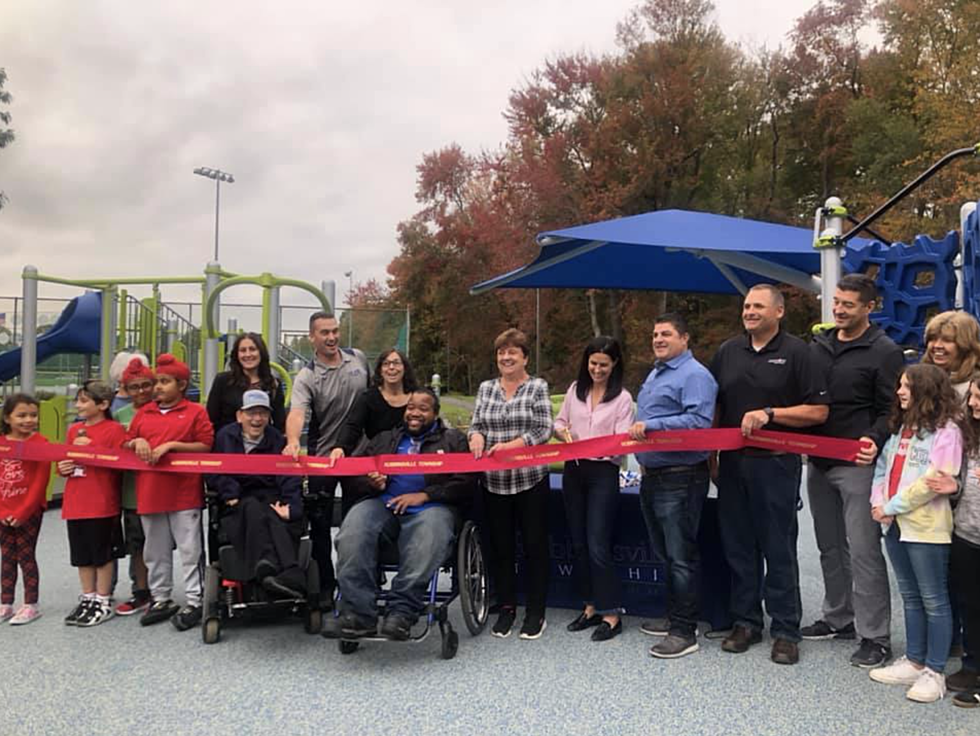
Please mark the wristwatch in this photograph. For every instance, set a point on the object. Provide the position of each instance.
(770, 412)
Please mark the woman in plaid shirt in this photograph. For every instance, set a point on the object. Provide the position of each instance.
(514, 411)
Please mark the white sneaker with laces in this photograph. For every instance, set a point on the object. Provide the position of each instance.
(899, 672)
(930, 687)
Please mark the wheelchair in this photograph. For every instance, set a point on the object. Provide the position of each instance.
(232, 593)
(468, 573)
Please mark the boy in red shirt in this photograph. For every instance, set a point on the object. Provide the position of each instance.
(170, 504)
(90, 505)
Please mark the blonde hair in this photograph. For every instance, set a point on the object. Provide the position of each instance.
(961, 329)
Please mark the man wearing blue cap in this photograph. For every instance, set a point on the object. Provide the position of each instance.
(262, 515)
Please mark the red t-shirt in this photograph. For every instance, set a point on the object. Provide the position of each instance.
(94, 495)
(23, 484)
(898, 464)
(157, 493)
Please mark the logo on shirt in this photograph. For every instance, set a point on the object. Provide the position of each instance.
(778, 361)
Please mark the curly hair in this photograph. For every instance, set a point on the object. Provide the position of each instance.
(933, 404)
(409, 382)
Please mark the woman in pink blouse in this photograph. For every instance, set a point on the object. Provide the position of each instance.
(595, 405)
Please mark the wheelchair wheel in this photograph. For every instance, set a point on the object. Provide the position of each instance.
(347, 647)
(471, 578)
(314, 621)
(313, 585)
(450, 644)
(211, 631)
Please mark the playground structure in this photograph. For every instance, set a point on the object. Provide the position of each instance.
(147, 325)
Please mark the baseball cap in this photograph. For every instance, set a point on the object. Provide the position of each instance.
(254, 398)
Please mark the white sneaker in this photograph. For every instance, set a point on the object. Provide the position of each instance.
(930, 687)
(6, 612)
(899, 672)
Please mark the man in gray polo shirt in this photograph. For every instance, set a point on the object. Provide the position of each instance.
(325, 389)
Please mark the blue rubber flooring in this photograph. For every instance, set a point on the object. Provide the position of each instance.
(276, 679)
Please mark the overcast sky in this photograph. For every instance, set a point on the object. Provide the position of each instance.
(321, 110)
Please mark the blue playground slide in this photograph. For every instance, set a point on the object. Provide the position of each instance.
(78, 330)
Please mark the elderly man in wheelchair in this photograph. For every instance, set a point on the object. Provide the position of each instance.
(261, 515)
(415, 514)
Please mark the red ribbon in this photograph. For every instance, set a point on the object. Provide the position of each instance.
(682, 440)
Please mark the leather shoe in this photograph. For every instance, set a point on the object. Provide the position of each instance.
(785, 652)
(741, 638)
(605, 632)
(584, 622)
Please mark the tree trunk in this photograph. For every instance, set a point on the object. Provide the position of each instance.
(593, 316)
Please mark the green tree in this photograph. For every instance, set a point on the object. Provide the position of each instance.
(6, 133)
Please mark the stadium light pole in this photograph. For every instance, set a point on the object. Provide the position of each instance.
(350, 310)
(218, 176)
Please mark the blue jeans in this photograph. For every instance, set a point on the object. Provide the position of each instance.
(671, 501)
(424, 541)
(590, 489)
(921, 571)
(758, 497)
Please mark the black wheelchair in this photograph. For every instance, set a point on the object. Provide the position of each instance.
(232, 593)
(468, 573)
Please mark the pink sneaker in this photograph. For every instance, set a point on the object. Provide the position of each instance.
(25, 615)
(6, 612)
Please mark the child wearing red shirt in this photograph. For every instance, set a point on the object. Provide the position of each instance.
(91, 505)
(22, 502)
(170, 504)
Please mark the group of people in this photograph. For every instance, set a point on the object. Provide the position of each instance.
(915, 483)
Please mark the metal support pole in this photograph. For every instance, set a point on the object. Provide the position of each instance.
(965, 211)
(28, 344)
(408, 332)
(217, 209)
(830, 253)
(272, 326)
(537, 332)
(105, 341)
(212, 277)
(329, 289)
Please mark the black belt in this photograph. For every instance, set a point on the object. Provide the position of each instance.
(666, 469)
(760, 452)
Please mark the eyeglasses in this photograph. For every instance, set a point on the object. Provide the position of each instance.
(139, 386)
(392, 364)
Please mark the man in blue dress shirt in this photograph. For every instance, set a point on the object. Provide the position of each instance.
(679, 393)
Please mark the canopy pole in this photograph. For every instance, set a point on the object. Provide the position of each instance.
(828, 242)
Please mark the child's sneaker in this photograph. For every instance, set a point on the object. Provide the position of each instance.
(930, 687)
(140, 601)
(78, 611)
(899, 672)
(6, 612)
(96, 613)
(27, 613)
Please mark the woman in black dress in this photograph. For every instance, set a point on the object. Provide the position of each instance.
(250, 369)
(379, 407)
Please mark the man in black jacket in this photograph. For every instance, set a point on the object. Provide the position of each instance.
(862, 366)
(262, 515)
(415, 512)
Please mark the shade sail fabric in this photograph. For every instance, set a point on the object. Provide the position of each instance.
(667, 250)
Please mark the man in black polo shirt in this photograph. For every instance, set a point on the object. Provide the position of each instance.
(861, 365)
(765, 379)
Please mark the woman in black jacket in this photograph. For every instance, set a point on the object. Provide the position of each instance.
(250, 369)
(381, 406)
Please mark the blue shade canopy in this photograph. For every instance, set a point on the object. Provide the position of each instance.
(669, 250)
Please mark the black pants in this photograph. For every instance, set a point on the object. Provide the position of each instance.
(256, 532)
(529, 509)
(965, 580)
(320, 514)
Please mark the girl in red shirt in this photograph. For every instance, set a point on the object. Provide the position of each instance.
(23, 484)
(91, 505)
